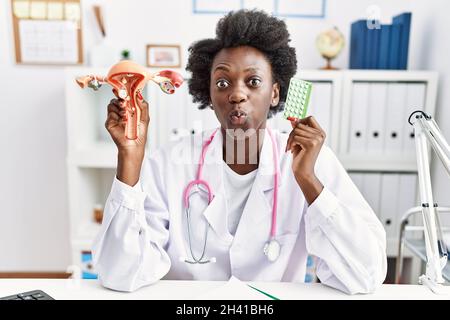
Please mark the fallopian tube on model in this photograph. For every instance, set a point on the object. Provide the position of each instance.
(128, 79)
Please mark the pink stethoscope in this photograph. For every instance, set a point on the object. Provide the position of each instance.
(272, 247)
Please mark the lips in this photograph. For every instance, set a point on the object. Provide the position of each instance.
(237, 117)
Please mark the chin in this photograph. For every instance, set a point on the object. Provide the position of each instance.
(244, 126)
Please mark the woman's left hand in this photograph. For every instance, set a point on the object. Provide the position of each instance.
(304, 142)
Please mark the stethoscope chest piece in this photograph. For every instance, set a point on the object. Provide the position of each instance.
(272, 250)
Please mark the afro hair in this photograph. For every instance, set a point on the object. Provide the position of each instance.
(252, 28)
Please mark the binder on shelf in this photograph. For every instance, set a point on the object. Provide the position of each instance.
(407, 195)
(209, 120)
(404, 20)
(198, 120)
(320, 105)
(376, 112)
(380, 48)
(174, 127)
(372, 47)
(358, 44)
(358, 118)
(394, 118)
(281, 123)
(415, 100)
(357, 178)
(372, 191)
(389, 203)
(385, 37)
(369, 42)
(394, 45)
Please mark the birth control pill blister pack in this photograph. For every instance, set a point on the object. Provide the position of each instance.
(297, 99)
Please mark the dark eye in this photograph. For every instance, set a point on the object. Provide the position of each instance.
(255, 82)
(222, 84)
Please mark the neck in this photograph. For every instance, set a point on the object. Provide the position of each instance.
(241, 150)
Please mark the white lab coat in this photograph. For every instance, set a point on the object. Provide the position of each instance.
(144, 230)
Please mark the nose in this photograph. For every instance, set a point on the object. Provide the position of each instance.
(237, 96)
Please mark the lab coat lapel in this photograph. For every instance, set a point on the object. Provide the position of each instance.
(260, 201)
(216, 212)
(266, 169)
(254, 227)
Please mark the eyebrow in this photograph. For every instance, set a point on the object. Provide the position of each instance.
(254, 69)
(221, 67)
(226, 68)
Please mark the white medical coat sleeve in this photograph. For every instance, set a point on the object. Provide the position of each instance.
(344, 232)
(129, 251)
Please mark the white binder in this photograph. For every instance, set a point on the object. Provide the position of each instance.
(357, 178)
(376, 113)
(407, 196)
(371, 190)
(170, 112)
(320, 105)
(281, 123)
(415, 100)
(199, 120)
(395, 118)
(358, 120)
(209, 119)
(389, 204)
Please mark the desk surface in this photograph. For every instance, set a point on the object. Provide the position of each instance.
(67, 289)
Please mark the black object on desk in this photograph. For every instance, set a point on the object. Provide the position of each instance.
(30, 295)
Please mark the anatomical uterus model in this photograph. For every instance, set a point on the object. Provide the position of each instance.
(128, 79)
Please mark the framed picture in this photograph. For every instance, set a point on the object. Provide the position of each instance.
(163, 56)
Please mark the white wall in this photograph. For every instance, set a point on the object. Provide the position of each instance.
(33, 214)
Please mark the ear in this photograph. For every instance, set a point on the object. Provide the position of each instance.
(275, 95)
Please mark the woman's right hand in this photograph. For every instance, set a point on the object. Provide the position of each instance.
(130, 152)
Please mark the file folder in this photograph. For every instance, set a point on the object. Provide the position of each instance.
(388, 203)
(320, 105)
(281, 123)
(372, 47)
(376, 112)
(394, 46)
(415, 100)
(358, 45)
(358, 118)
(197, 120)
(407, 197)
(395, 118)
(404, 20)
(385, 38)
(172, 127)
(371, 191)
(357, 179)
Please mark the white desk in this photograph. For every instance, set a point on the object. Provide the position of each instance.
(67, 289)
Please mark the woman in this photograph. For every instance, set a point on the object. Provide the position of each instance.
(265, 200)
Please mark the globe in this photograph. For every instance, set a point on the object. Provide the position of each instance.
(330, 43)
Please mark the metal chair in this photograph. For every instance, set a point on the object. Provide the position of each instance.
(404, 227)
